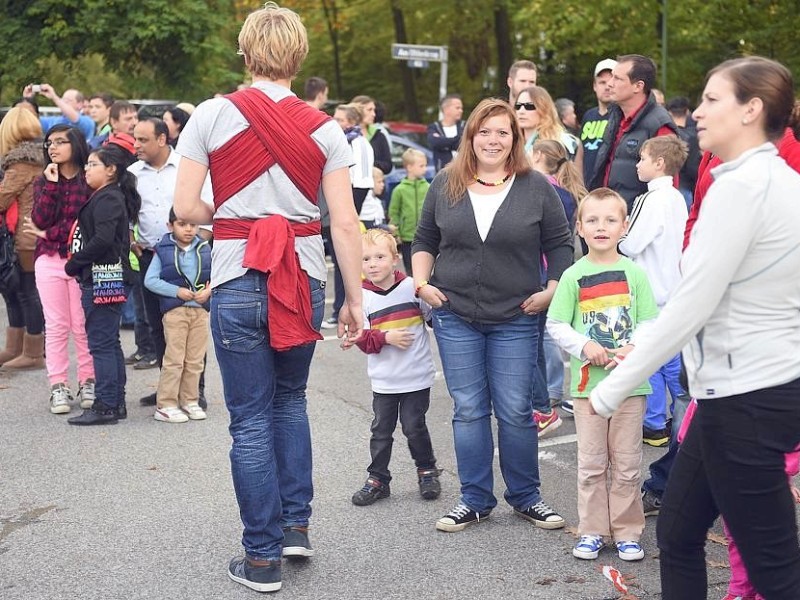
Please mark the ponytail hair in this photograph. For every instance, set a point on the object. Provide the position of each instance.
(114, 156)
(557, 163)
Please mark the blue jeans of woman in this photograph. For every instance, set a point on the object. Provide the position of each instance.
(102, 333)
(265, 393)
(731, 463)
(489, 367)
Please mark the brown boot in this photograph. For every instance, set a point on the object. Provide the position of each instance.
(32, 356)
(13, 344)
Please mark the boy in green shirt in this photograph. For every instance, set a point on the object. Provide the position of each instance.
(601, 303)
(405, 206)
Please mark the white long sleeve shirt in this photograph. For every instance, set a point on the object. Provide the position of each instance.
(655, 236)
(738, 304)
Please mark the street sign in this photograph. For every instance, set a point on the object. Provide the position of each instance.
(419, 64)
(418, 52)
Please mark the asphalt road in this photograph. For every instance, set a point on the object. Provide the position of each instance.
(146, 510)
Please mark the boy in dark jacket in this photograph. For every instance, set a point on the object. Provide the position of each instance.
(179, 274)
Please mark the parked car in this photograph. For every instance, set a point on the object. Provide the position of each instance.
(399, 145)
(416, 132)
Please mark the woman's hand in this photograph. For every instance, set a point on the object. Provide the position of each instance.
(432, 295)
(538, 302)
(29, 227)
(51, 172)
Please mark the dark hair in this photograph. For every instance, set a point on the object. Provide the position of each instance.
(314, 87)
(768, 80)
(180, 116)
(159, 126)
(30, 101)
(380, 111)
(678, 105)
(114, 156)
(642, 69)
(80, 149)
(119, 107)
(172, 216)
(107, 98)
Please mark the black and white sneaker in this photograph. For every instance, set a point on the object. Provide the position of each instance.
(651, 504)
(458, 518)
(295, 542)
(263, 576)
(542, 516)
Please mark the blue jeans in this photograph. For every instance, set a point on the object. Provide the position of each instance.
(490, 367)
(666, 378)
(102, 333)
(539, 396)
(265, 393)
(554, 361)
(659, 469)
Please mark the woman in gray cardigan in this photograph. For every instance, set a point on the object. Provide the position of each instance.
(486, 221)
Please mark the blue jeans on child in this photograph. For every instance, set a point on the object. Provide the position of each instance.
(102, 333)
(666, 378)
(489, 367)
(265, 393)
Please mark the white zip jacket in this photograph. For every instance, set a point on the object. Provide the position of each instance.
(738, 304)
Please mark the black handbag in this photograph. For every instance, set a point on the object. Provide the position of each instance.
(9, 262)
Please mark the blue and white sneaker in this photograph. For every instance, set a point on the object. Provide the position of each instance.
(588, 547)
(630, 551)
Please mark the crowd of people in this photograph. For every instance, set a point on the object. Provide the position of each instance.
(538, 239)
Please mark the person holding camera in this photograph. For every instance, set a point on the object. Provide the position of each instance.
(69, 104)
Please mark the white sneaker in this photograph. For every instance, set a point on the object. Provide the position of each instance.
(171, 414)
(330, 323)
(195, 412)
(86, 394)
(60, 397)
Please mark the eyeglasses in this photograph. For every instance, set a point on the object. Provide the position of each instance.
(91, 164)
(55, 143)
(529, 106)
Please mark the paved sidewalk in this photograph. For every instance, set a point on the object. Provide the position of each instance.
(146, 509)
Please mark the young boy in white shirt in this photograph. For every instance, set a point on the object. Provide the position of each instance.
(654, 242)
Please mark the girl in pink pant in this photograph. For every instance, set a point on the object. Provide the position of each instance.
(739, 586)
(58, 196)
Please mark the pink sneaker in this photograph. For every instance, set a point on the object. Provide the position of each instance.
(546, 422)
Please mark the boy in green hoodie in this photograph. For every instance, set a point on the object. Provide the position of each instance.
(405, 206)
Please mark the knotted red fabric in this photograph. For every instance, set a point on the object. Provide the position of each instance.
(279, 133)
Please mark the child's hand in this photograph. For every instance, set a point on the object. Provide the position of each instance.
(185, 294)
(618, 355)
(595, 354)
(202, 296)
(795, 494)
(401, 338)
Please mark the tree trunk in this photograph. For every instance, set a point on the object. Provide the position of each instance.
(409, 93)
(332, 21)
(502, 33)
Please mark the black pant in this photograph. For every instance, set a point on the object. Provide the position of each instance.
(23, 306)
(405, 251)
(732, 463)
(411, 407)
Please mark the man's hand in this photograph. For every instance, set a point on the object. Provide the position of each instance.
(351, 323)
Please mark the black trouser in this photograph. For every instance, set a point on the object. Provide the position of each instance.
(405, 251)
(411, 407)
(23, 306)
(732, 463)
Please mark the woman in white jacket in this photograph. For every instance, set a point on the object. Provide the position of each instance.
(736, 316)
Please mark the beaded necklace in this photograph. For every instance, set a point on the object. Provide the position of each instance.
(492, 183)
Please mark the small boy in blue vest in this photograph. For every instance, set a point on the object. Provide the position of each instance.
(180, 275)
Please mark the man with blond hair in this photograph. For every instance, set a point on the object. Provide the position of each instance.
(271, 157)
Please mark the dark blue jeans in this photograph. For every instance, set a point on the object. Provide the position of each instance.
(539, 393)
(102, 332)
(265, 393)
(659, 469)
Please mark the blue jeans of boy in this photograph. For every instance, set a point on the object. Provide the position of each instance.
(265, 393)
(489, 367)
(666, 378)
(102, 334)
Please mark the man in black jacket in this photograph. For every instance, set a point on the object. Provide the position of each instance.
(444, 136)
(634, 117)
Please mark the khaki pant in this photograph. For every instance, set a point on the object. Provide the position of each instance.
(186, 335)
(609, 470)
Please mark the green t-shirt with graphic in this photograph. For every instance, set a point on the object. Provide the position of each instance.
(605, 303)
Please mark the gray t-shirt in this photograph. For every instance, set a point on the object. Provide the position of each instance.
(216, 121)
